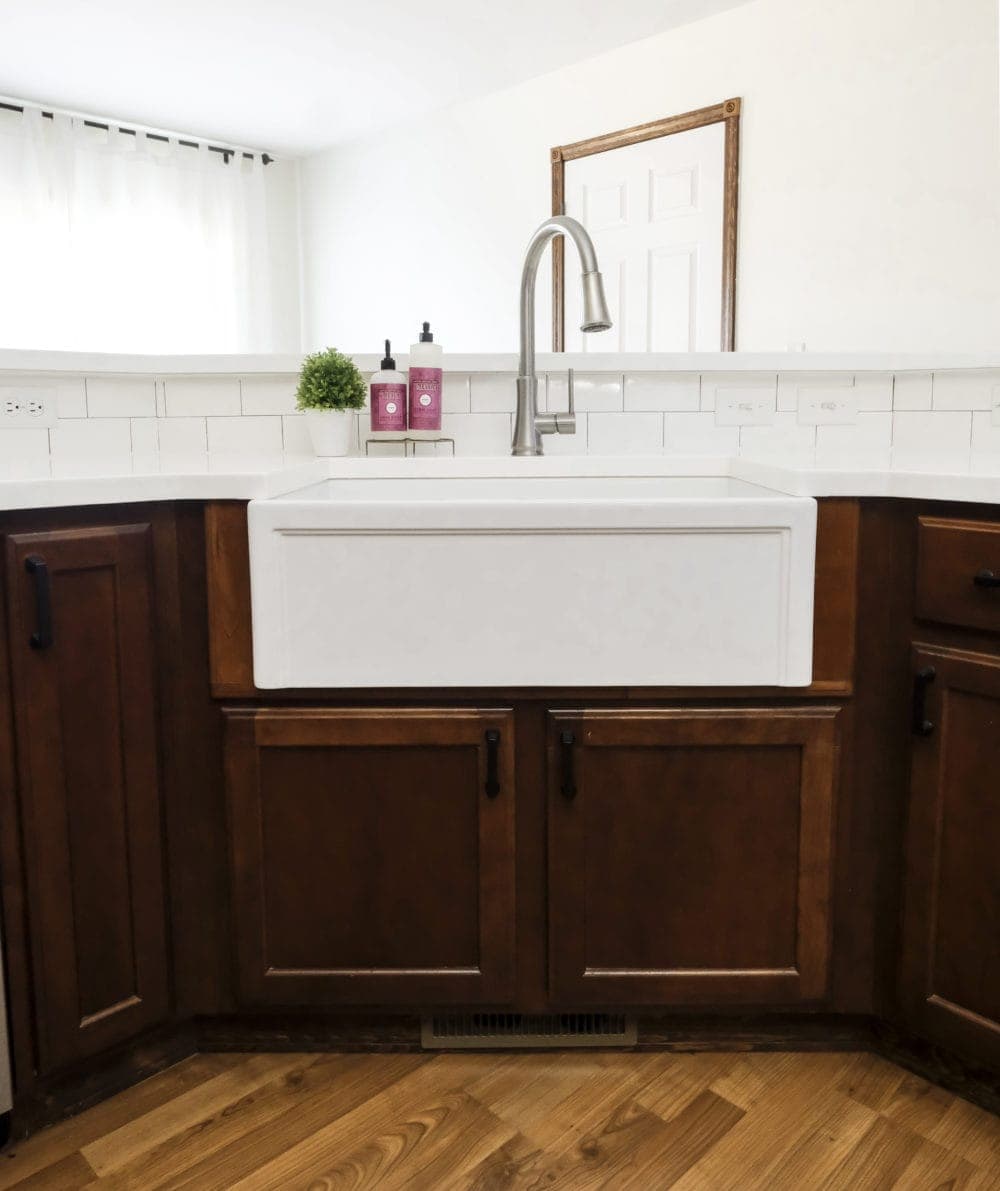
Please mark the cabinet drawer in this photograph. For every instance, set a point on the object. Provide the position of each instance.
(958, 572)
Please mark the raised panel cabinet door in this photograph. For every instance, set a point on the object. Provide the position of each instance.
(372, 855)
(949, 988)
(83, 675)
(690, 855)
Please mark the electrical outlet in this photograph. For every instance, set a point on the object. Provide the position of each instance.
(26, 406)
(744, 406)
(827, 406)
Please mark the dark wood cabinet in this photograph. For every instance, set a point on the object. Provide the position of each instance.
(85, 723)
(372, 855)
(690, 855)
(949, 987)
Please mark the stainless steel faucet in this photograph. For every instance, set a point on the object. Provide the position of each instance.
(530, 425)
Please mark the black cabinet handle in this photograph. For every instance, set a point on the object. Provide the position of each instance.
(37, 567)
(986, 579)
(492, 763)
(567, 784)
(922, 726)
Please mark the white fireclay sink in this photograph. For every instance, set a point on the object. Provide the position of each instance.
(520, 581)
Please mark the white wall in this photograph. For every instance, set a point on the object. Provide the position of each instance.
(869, 190)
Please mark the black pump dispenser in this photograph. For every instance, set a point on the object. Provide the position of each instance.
(388, 363)
(425, 334)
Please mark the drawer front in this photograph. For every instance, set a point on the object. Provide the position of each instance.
(958, 572)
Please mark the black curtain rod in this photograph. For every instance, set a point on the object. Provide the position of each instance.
(266, 158)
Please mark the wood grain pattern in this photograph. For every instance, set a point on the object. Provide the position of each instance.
(950, 955)
(86, 726)
(573, 1120)
(227, 563)
(677, 814)
(388, 809)
(950, 552)
(727, 112)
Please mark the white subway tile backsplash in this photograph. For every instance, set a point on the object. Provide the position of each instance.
(295, 434)
(23, 446)
(592, 392)
(268, 394)
(985, 434)
(698, 434)
(188, 396)
(867, 442)
(625, 434)
(71, 397)
(662, 391)
(951, 391)
(786, 438)
(925, 431)
(182, 435)
(920, 418)
(479, 434)
(455, 393)
(145, 439)
(81, 437)
(493, 393)
(121, 397)
(874, 393)
(244, 436)
(911, 391)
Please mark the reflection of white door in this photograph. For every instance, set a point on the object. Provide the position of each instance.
(654, 211)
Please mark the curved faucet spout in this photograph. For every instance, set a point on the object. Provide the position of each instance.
(530, 425)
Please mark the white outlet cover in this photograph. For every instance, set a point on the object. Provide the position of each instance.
(26, 407)
(827, 406)
(744, 406)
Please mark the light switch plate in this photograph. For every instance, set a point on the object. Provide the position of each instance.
(827, 407)
(744, 406)
(26, 406)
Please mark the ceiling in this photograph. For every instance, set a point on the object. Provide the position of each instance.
(296, 76)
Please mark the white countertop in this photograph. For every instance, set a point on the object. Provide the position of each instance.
(97, 363)
(232, 477)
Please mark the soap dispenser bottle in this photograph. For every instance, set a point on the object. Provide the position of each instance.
(388, 398)
(425, 383)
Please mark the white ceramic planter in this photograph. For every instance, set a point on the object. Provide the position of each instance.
(331, 430)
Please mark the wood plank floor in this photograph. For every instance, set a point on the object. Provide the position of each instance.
(696, 1122)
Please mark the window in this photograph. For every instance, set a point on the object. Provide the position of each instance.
(120, 243)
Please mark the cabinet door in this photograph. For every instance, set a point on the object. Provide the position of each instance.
(372, 855)
(690, 855)
(86, 738)
(950, 963)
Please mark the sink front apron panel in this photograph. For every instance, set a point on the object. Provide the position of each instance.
(698, 581)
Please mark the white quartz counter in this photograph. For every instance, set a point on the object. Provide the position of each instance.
(233, 477)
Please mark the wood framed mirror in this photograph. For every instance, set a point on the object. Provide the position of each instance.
(660, 201)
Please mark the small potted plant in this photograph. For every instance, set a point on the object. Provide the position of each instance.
(330, 389)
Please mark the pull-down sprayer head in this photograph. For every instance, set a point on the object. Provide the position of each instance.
(595, 306)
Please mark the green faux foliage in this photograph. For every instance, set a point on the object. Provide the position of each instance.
(330, 380)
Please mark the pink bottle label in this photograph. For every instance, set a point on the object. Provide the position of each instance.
(425, 398)
(388, 407)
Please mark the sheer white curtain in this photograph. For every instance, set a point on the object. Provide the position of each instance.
(119, 243)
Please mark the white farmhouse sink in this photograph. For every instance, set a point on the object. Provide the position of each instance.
(529, 581)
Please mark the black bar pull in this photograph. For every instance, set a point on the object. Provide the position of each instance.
(567, 785)
(492, 763)
(922, 726)
(38, 568)
(986, 578)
